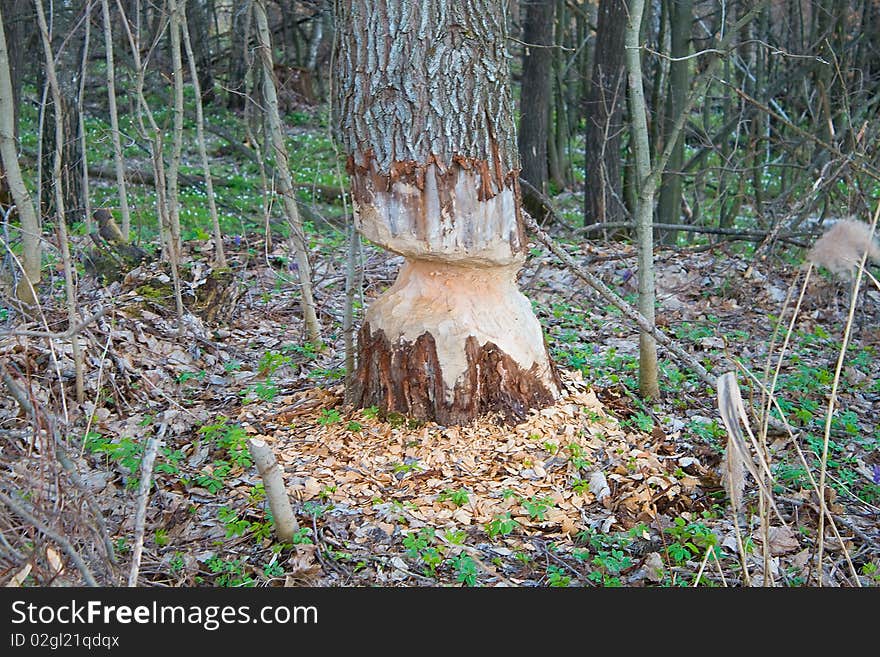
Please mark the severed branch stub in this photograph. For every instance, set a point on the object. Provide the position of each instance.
(273, 481)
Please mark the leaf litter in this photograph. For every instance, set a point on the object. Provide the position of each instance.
(581, 486)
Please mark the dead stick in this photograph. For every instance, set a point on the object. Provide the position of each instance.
(140, 517)
(69, 333)
(61, 454)
(609, 295)
(66, 545)
(276, 493)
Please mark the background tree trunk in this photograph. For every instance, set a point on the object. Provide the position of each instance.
(603, 191)
(30, 223)
(669, 203)
(535, 97)
(285, 181)
(197, 20)
(424, 111)
(67, 45)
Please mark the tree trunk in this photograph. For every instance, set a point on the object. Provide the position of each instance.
(285, 181)
(424, 111)
(30, 222)
(219, 253)
(197, 19)
(669, 203)
(63, 32)
(118, 160)
(239, 56)
(534, 98)
(644, 215)
(603, 196)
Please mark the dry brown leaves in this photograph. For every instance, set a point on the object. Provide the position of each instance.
(394, 474)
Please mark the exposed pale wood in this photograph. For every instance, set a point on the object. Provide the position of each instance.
(276, 493)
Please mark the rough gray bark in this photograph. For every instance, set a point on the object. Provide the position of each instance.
(423, 108)
(669, 203)
(603, 192)
(535, 97)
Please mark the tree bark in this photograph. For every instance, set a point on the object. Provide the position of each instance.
(285, 181)
(603, 191)
(30, 222)
(535, 97)
(197, 19)
(644, 214)
(59, 189)
(424, 111)
(219, 253)
(669, 203)
(114, 120)
(65, 105)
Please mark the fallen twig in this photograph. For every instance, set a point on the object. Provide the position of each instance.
(66, 545)
(143, 495)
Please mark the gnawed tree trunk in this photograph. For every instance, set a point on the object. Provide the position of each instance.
(424, 110)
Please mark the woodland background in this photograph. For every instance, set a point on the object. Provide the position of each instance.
(763, 116)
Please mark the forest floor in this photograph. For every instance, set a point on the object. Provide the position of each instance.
(601, 489)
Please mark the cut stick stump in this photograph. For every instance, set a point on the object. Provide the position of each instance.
(273, 481)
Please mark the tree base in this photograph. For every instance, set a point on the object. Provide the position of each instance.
(450, 343)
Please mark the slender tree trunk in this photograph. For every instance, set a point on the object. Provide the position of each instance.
(30, 223)
(60, 222)
(65, 107)
(644, 215)
(80, 95)
(669, 203)
(196, 17)
(282, 167)
(603, 191)
(423, 108)
(219, 255)
(114, 120)
(535, 96)
(238, 59)
(176, 9)
(155, 137)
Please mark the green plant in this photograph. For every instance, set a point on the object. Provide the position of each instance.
(455, 536)
(556, 577)
(371, 412)
(500, 525)
(229, 437)
(212, 477)
(329, 416)
(160, 536)
(457, 497)
(270, 362)
(234, 525)
(273, 569)
(465, 569)
(419, 546)
(177, 563)
(229, 573)
(643, 421)
(536, 506)
(691, 539)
